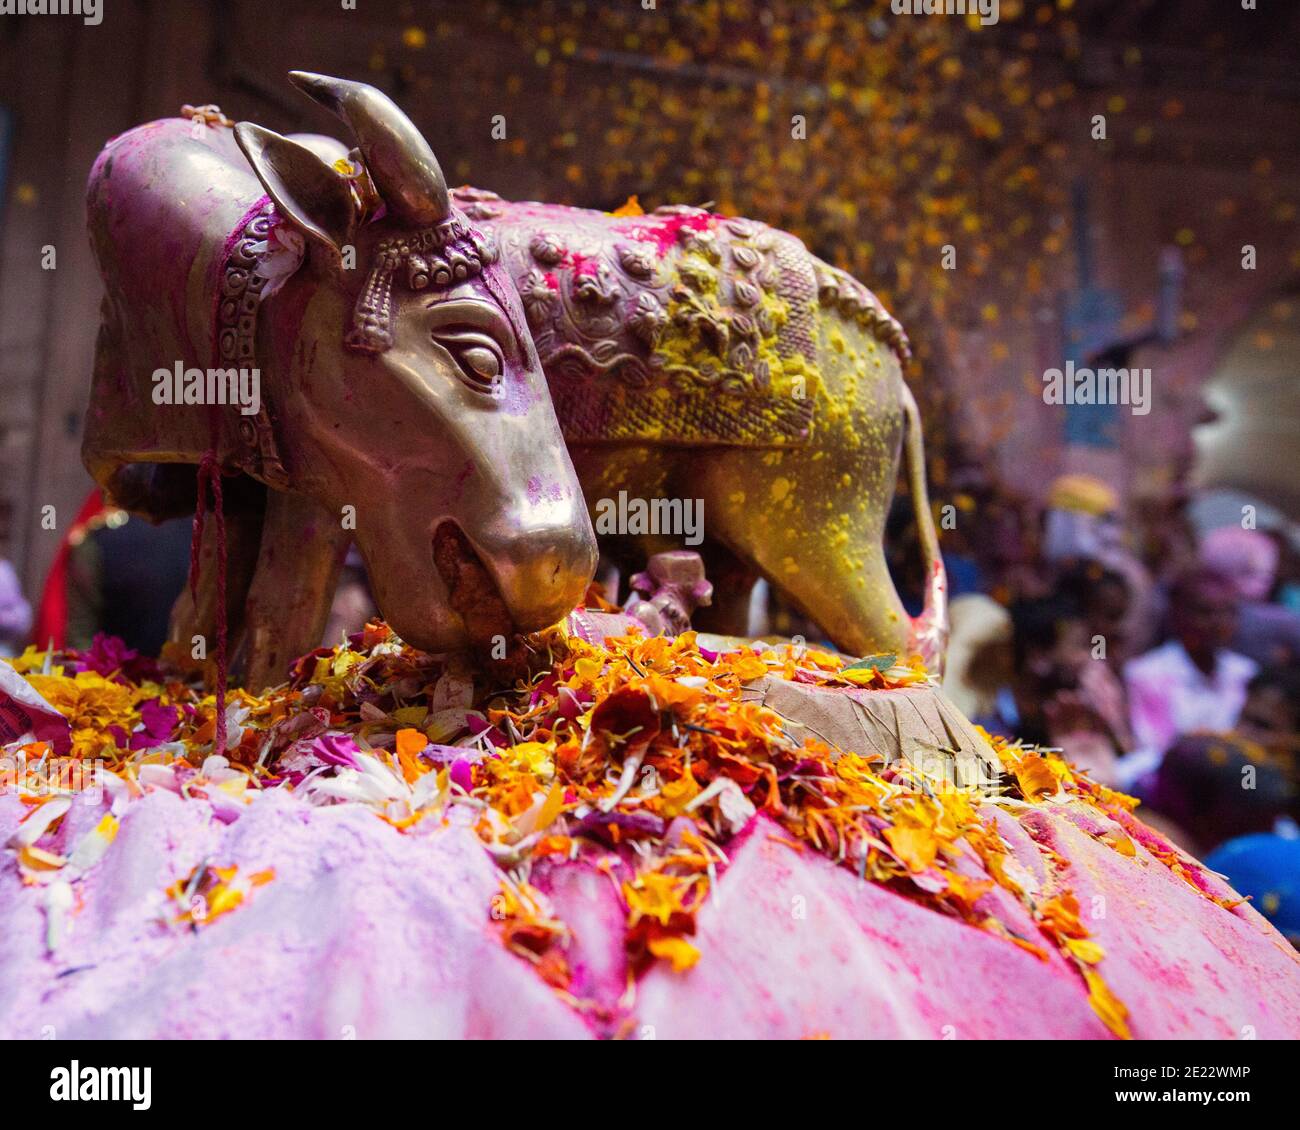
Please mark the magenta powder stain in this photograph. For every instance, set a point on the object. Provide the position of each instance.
(663, 233)
(370, 931)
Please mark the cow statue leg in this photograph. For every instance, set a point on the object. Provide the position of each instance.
(828, 564)
(301, 550)
(812, 521)
(191, 622)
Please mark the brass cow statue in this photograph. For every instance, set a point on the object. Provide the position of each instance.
(445, 377)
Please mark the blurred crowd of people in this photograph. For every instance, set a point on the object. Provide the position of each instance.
(1164, 660)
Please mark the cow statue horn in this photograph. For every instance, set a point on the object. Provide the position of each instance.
(399, 160)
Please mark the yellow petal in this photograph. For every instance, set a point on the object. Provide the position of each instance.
(677, 950)
(631, 207)
(588, 669)
(1085, 950)
(1107, 1005)
(410, 742)
(553, 807)
(37, 859)
(916, 847)
(1120, 842)
(1035, 777)
(222, 899)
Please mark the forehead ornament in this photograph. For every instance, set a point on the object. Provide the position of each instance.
(436, 257)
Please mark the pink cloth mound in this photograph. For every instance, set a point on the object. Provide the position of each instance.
(370, 932)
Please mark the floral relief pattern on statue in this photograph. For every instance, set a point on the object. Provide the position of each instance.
(675, 326)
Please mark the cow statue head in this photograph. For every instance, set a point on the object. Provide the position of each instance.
(407, 385)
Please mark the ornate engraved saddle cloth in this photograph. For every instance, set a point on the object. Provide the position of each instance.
(676, 327)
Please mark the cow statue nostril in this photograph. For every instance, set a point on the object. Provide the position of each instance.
(471, 592)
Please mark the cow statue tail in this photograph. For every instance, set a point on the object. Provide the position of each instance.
(929, 631)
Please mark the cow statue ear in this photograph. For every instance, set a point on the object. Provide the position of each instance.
(307, 192)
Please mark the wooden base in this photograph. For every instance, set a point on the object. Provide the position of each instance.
(916, 723)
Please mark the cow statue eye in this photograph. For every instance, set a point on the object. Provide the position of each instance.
(477, 356)
(483, 363)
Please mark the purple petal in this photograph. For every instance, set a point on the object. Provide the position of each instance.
(597, 823)
(158, 721)
(336, 749)
(462, 773)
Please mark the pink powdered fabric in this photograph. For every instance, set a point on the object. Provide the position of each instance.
(370, 932)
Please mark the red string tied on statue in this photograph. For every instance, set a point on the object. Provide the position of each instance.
(209, 483)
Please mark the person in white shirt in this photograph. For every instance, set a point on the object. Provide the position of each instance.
(1193, 682)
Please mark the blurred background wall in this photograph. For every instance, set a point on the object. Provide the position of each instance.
(880, 139)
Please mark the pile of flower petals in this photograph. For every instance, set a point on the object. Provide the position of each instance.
(636, 757)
